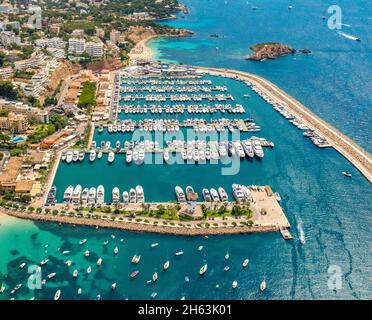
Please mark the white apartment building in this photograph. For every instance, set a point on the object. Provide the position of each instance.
(76, 46)
(8, 38)
(55, 42)
(94, 49)
(6, 73)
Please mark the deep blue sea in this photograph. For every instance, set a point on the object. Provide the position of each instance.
(335, 212)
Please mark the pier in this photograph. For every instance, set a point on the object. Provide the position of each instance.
(357, 156)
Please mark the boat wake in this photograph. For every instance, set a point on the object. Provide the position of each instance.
(301, 231)
(348, 36)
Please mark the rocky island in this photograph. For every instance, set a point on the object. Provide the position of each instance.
(269, 50)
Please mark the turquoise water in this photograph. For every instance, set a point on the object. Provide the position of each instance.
(335, 82)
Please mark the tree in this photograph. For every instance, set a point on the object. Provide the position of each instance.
(7, 90)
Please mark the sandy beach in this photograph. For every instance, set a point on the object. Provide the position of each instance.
(142, 51)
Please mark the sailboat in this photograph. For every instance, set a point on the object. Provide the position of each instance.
(263, 285)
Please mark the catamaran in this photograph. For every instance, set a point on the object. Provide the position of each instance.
(136, 259)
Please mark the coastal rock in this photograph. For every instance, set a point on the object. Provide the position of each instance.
(270, 50)
(305, 51)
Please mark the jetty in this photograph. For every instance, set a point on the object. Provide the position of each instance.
(357, 156)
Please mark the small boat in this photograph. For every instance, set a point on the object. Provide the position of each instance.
(203, 269)
(99, 262)
(100, 154)
(111, 157)
(86, 253)
(22, 265)
(153, 295)
(347, 174)
(44, 262)
(179, 253)
(187, 279)
(154, 245)
(245, 263)
(263, 285)
(113, 286)
(227, 268)
(136, 259)
(80, 291)
(2, 288)
(89, 270)
(166, 265)
(125, 197)
(235, 284)
(75, 273)
(68, 263)
(227, 256)
(116, 250)
(134, 273)
(82, 241)
(66, 252)
(200, 248)
(155, 276)
(51, 275)
(277, 196)
(57, 295)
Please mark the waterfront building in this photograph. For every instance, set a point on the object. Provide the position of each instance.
(6, 73)
(34, 61)
(76, 46)
(24, 109)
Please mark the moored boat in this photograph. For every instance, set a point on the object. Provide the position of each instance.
(57, 295)
(180, 194)
(115, 195)
(100, 195)
(223, 195)
(203, 269)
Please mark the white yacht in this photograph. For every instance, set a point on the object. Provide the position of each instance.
(68, 194)
(99, 155)
(132, 196)
(115, 195)
(238, 193)
(92, 195)
(75, 156)
(166, 265)
(180, 194)
(239, 149)
(92, 155)
(214, 195)
(81, 155)
(223, 195)
(140, 194)
(245, 263)
(258, 149)
(206, 195)
(263, 285)
(125, 197)
(84, 196)
(155, 276)
(222, 150)
(57, 295)
(129, 156)
(117, 145)
(111, 157)
(99, 261)
(235, 284)
(247, 146)
(100, 195)
(69, 156)
(76, 195)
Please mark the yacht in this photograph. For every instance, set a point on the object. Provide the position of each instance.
(86, 253)
(227, 256)
(57, 295)
(92, 155)
(81, 156)
(206, 195)
(75, 156)
(75, 273)
(116, 250)
(111, 157)
(223, 195)
(100, 195)
(99, 155)
(125, 197)
(179, 253)
(203, 269)
(132, 196)
(92, 195)
(76, 195)
(214, 195)
(84, 196)
(247, 146)
(140, 194)
(129, 156)
(115, 195)
(69, 156)
(166, 265)
(245, 263)
(180, 194)
(239, 149)
(99, 262)
(235, 284)
(258, 149)
(68, 194)
(238, 193)
(189, 193)
(136, 259)
(117, 145)
(51, 275)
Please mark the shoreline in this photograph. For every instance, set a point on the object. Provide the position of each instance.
(349, 149)
(142, 51)
(141, 227)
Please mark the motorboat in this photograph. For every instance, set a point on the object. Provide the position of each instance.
(99, 262)
(347, 174)
(263, 285)
(111, 157)
(129, 156)
(166, 265)
(234, 284)
(125, 197)
(140, 194)
(75, 156)
(223, 195)
(214, 195)
(180, 194)
(84, 196)
(227, 268)
(155, 276)
(92, 155)
(100, 195)
(116, 250)
(99, 155)
(76, 195)
(81, 156)
(86, 253)
(179, 253)
(227, 256)
(22, 265)
(132, 196)
(57, 295)
(200, 248)
(68, 194)
(115, 195)
(75, 273)
(203, 269)
(245, 263)
(153, 245)
(206, 195)
(69, 156)
(92, 196)
(134, 273)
